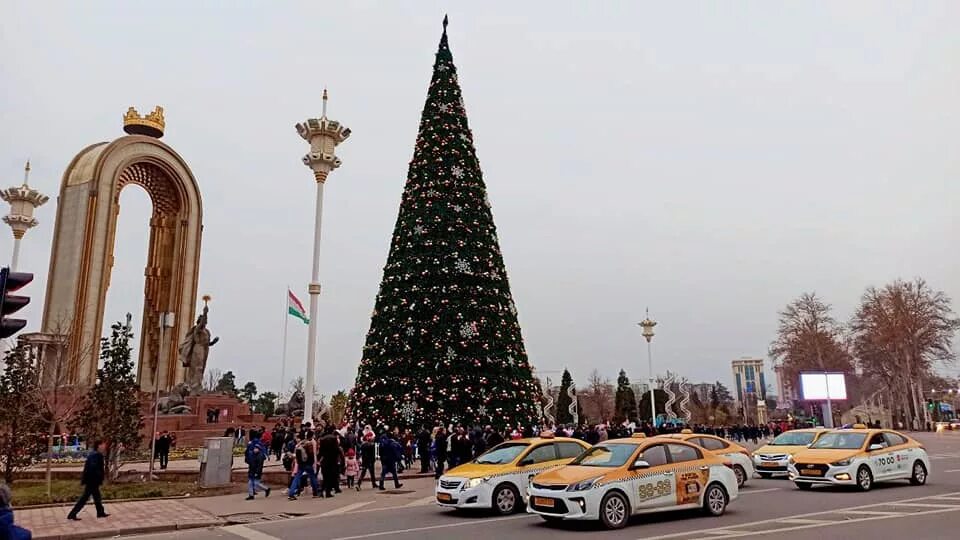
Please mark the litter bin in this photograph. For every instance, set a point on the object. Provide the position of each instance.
(216, 461)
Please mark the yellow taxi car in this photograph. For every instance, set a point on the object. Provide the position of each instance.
(738, 455)
(498, 478)
(860, 456)
(771, 459)
(622, 477)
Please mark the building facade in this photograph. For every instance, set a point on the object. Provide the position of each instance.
(750, 387)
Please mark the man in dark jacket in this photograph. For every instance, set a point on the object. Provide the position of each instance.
(163, 449)
(440, 450)
(423, 448)
(390, 454)
(94, 471)
(330, 457)
(368, 459)
(254, 456)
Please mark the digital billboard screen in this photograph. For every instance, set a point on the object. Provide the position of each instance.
(823, 386)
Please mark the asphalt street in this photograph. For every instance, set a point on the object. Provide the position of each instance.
(767, 509)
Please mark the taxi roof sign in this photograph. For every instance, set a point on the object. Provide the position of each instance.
(686, 431)
(859, 426)
(638, 436)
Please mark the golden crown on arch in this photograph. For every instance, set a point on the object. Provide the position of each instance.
(151, 125)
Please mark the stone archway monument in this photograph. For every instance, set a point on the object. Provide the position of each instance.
(83, 245)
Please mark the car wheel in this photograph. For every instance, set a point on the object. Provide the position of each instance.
(804, 485)
(614, 510)
(715, 500)
(505, 499)
(919, 476)
(864, 478)
(765, 475)
(740, 474)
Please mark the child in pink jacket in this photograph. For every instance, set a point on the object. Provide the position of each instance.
(352, 468)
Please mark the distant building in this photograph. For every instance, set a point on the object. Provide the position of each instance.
(750, 387)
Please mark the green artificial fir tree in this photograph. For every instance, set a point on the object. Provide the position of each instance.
(564, 400)
(625, 401)
(444, 343)
(111, 409)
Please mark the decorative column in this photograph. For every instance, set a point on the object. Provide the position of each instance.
(323, 135)
(23, 201)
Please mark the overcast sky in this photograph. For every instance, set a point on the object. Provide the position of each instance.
(711, 161)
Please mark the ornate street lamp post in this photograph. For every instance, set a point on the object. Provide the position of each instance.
(647, 324)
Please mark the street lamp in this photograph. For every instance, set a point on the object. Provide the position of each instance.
(166, 321)
(647, 324)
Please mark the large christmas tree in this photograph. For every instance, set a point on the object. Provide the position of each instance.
(444, 343)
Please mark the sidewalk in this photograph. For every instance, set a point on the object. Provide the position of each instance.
(125, 518)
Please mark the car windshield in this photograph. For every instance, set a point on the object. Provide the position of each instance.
(841, 441)
(504, 453)
(793, 438)
(606, 455)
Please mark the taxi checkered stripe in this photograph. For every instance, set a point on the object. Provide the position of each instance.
(523, 471)
(646, 474)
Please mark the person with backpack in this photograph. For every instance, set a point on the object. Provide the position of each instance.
(305, 456)
(254, 456)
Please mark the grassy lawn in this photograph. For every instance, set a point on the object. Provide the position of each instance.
(29, 492)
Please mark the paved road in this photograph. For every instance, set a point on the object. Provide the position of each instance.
(767, 509)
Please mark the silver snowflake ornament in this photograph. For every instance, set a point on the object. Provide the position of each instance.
(511, 361)
(468, 330)
(482, 411)
(457, 208)
(442, 67)
(456, 171)
(419, 229)
(451, 354)
(464, 137)
(463, 267)
(444, 108)
(411, 331)
(408, 411)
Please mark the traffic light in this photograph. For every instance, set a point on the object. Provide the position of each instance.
(9, 303)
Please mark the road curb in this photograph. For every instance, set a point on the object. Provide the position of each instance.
(130, 530)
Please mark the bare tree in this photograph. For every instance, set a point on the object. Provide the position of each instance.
(57, 396)
(901, 333)
(809, 338)
(213, 379)
(598, 398)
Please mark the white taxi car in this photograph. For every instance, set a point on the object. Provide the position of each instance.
(498, 479)
(771, 459)
(860, 457)
(623, 477)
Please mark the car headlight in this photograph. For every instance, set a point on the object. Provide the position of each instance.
(474, 482)
(841, 463)
(584, 485)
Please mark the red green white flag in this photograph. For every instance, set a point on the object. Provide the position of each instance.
(295, 308)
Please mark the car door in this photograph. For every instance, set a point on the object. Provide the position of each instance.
(690, 473)
(654, 486)
(882, 460)
(538, 459)
(903, 454)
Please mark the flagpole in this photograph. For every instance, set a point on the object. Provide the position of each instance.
(283, 361)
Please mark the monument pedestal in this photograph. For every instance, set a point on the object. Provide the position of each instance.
(210, 416)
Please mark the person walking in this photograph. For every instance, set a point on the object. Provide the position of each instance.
(94, 471)
(306, 458)
(440, 450)
(390, 454)
(163, 450)
(254, 456)
(8, 530)
(368, 459)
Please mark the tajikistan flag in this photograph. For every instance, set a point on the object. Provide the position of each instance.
(295, 308)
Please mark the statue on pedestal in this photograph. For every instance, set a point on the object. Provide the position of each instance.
(195, 349)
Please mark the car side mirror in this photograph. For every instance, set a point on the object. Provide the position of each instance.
(874, 447)
(640, 464)
(526, 461)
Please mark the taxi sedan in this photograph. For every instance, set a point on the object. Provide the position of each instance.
(738, 455)
(771, 459)
(623, 477)
(860, 457)
(498, 479)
